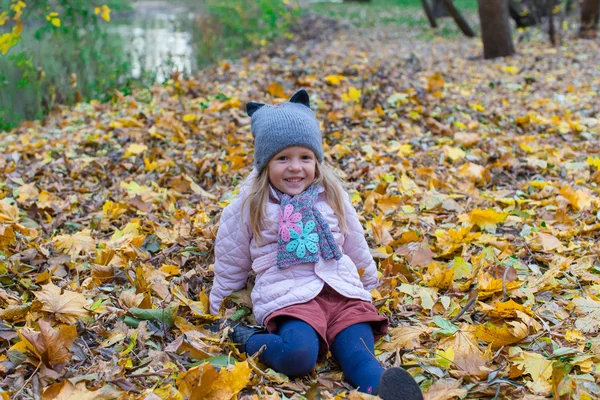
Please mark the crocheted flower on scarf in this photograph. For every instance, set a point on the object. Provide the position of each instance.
(287, 222)
(304, 240)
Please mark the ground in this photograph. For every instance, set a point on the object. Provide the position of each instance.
(476, 182)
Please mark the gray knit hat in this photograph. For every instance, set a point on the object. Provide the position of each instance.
(282, 125)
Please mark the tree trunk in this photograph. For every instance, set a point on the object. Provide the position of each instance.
(429, 13)
(551, 29)
(495, 28)
(439, 9)
(590, 13)
(458, 18)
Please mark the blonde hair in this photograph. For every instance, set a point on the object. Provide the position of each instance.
(259, 195)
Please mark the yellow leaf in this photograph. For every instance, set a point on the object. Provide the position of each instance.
(54, 19)
(3, 17)
(454, 153)
(189, 117)
(487, 219)
(498, 336)
(150, 165)
(66, 307)
(134, 188)
(549, 242)
(276, 90)
(510, 69)
(578, 199)
(488, 285)
(48, 200)
(197, 382)
(435, 83)
(472, 171)
(65, 390)
(444, 358)
(574, 336)
(590, 309)
(27, 192)
(439, 275)
(104, 12)
(468, 359)
(507, 309)
(406, 337)
(50, 345)
(594, 161)
(380, 229)
(135, 149)
(537, 366)
(73, 245)
(334, 80)
(114, 210)
(230, 381)
(409, 187)
(446, 389)
(352, 95)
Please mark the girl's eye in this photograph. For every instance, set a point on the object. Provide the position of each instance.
(306, 157)
(282, 158)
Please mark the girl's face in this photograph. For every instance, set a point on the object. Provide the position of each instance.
(292, 170)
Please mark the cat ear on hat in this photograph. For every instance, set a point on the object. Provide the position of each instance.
(301, 96)
(251, 107)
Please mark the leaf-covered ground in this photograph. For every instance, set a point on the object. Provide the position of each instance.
(476, 181)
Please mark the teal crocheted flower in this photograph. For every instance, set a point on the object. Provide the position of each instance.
(306, 240)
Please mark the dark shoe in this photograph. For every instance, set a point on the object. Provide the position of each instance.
(397, 384)
(239, 333)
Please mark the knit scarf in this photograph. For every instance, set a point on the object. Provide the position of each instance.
(304, 234)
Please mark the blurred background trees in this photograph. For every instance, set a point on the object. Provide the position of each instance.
(65, 51)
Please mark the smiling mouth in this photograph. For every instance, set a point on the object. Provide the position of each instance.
(293, 180)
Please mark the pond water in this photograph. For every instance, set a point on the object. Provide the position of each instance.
(158, 38)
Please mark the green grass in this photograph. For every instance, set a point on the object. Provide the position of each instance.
(401, 13)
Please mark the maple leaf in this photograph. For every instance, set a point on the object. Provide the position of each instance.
(537, 366)
(497, 336)
(135, 149)
(578, 199)
(231, 381)
(468, 358)
(487, 219)
(352, 95)
(67, 307)
(73, 245)
(196, 383)
(406, 337)
(439, 275)
(50, 345)
(65, 390)
(380, 228)
(445, 389)
(591, 310)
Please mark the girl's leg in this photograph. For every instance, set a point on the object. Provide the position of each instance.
(292, 350)
(353, 348)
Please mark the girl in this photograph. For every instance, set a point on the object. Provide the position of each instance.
(294, 225)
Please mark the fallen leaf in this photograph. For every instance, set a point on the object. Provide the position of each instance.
(509, 333)
(50, 345)
(67, 307)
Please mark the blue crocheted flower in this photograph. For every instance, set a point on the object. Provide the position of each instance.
(306, 240)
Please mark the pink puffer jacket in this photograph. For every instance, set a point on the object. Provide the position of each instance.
(237, 253)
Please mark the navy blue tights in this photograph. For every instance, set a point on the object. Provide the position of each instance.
(293, 350)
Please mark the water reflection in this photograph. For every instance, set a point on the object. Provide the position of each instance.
(158, 50)
(157, 36)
